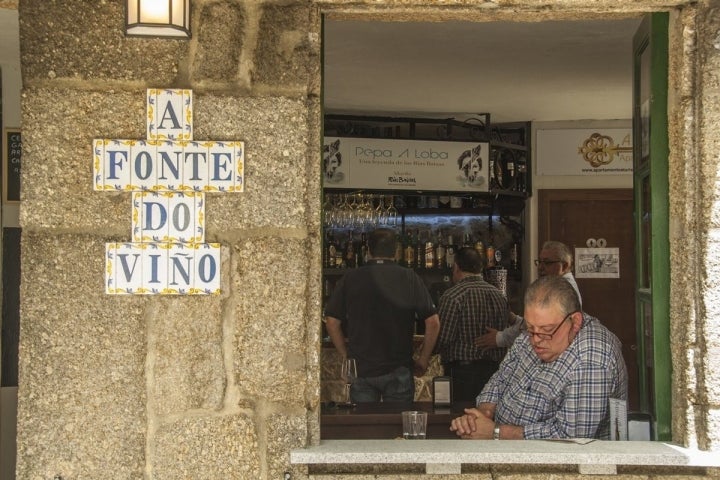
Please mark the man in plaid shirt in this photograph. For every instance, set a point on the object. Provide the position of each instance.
(557, 378)
(466, 310)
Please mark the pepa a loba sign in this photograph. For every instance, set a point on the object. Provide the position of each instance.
(370, 163)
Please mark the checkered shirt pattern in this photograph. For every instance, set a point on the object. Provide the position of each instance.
(466, 310)
(565, 398)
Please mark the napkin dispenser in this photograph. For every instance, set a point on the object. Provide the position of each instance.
(442, 391)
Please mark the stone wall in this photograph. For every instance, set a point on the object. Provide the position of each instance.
(224, 387)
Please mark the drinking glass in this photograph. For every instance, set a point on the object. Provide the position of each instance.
(391, 213)
(348, 373)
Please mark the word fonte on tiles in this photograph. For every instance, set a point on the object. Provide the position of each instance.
(168, 165)
(169, 174)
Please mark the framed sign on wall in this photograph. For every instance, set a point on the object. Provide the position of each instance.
(12, 153)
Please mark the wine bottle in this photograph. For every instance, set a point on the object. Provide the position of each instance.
(419, 260)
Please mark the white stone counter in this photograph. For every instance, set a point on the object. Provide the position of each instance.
(447, 456)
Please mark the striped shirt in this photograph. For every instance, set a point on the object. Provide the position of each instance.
(466, 310)
(565, 398)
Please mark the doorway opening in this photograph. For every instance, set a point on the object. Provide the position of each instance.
(549, 71)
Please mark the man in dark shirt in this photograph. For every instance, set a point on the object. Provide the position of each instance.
(466, 310)
(376, 306)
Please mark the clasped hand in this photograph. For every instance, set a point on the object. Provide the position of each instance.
(475, 424)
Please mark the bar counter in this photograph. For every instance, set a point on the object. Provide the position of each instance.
(383, 420)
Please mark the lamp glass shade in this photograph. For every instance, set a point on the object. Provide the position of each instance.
(158, 18)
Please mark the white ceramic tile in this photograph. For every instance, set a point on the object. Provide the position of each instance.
(195, 167)
(207, 269)
(114, 165)
(185, 209)
(169, 164)
(188, 114)
(136, 212)
(221, 167)
(239, 181)
(180, 269)
(151, 105)
(98, 149)
(128, 267)
(199, 236)
(110, 250)
(151, 220)
(169, 114)
(143, 165)
(155, 263)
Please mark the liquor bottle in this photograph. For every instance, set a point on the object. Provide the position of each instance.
(521, 180)
(340, 255)
(490, 253)
(429, 253)
(467, 242)
(480, 249)
(511, 174)
(497, 166)
(409, 251)
(330, 250)
(419, 251)
(491, 173)
(439, 252)
(449, 252)
(349, 254)
(363, 258)
(514, 257)
(400, 250)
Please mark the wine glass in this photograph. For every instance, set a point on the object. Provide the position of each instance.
(348, 373)
(391, 214)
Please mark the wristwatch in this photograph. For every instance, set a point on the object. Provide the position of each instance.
(496, 432)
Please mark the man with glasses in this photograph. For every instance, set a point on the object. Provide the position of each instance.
(555, 259)
(556, 380)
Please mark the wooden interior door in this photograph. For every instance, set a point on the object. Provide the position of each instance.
(573, 217)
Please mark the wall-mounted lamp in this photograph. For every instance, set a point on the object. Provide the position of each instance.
(158, 18)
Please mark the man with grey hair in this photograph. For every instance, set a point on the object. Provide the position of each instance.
(557, 379)
(555, 259)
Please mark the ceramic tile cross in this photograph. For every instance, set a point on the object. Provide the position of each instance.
(168, 174)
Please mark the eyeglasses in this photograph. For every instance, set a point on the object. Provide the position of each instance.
(546, 262)
(542, 335)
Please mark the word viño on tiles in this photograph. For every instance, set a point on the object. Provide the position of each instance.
(168, 175)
